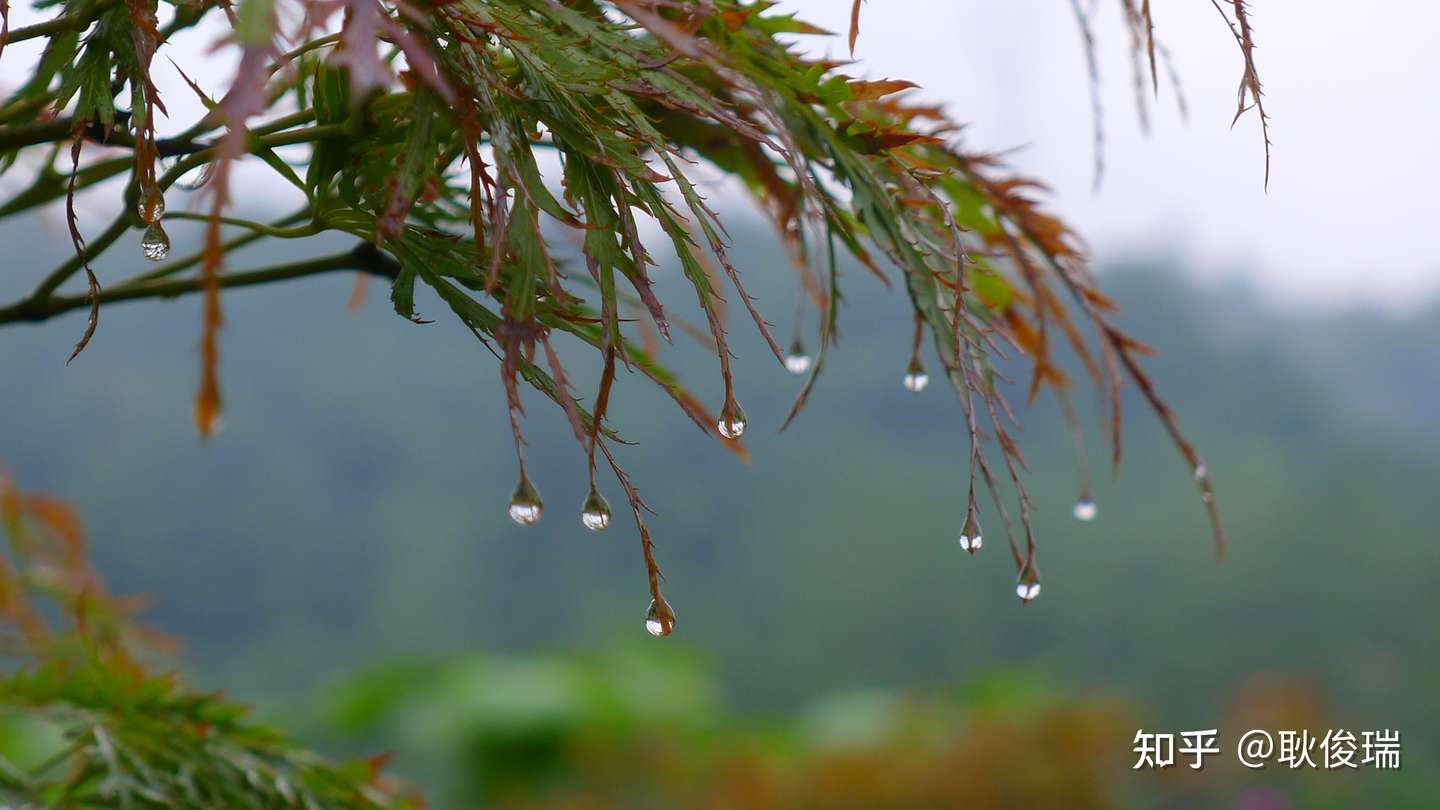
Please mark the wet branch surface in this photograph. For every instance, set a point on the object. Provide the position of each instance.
(365, 258)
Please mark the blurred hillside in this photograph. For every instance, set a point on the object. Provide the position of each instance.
(352, 511)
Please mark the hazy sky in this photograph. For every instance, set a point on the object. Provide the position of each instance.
(1351, 90)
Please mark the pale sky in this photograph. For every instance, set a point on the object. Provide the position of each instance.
(1351, 91)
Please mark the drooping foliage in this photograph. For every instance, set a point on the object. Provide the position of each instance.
(530, 161)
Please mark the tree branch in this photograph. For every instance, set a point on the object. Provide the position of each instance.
(74, 21)
(365, 258)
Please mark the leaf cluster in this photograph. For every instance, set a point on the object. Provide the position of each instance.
(531, 161)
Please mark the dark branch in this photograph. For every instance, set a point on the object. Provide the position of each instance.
(22, 135)
(365, 258)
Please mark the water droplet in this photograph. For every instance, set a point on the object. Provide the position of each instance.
(151, 207)
(1085, 510)
(595, 513)
(797, 361)
(970, 537)
(155, 244)
(659, 623)
(1201, 471)
(525, 504)
(1027, 591)
(915, 377)
(732, 420)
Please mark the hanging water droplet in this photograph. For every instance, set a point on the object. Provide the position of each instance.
(595, 512)
(732, 420)
(155, 244)
(915, 377)
(970, 537)
(525, 504)
(1085, 509)
(1027, 591)
(659, 623)
(151, 207)
(797, 361)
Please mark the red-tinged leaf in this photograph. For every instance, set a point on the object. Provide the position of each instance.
(358, 51)
(562, 385)
(677, 37)
(647, 546)
(245, 98)
(356, 302)
(868, 91)
(735, 20)
(1250, 88)
(652, 176)
(377, 763)
(78, 242)
(1099, 299)
(145, 36)
(907, 112)
(882, 141)
(63, 524)
(207, 398)
(1150, 45)
(419, 58)
(854, 25)
(602, 401)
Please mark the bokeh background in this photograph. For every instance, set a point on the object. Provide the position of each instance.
(339, 556)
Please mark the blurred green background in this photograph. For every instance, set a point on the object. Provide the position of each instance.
(340, 555)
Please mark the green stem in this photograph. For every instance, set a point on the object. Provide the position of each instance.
(297, 232)
(314, 44)
(294, 119)
(51, 185)
(93, 249)
(25, 107)
(294, 136)
(229, 246)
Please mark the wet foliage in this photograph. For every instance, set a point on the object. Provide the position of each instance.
(529, 161)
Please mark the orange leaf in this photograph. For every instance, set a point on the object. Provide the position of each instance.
(868, 91)
(880, 141)
(854, 25)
